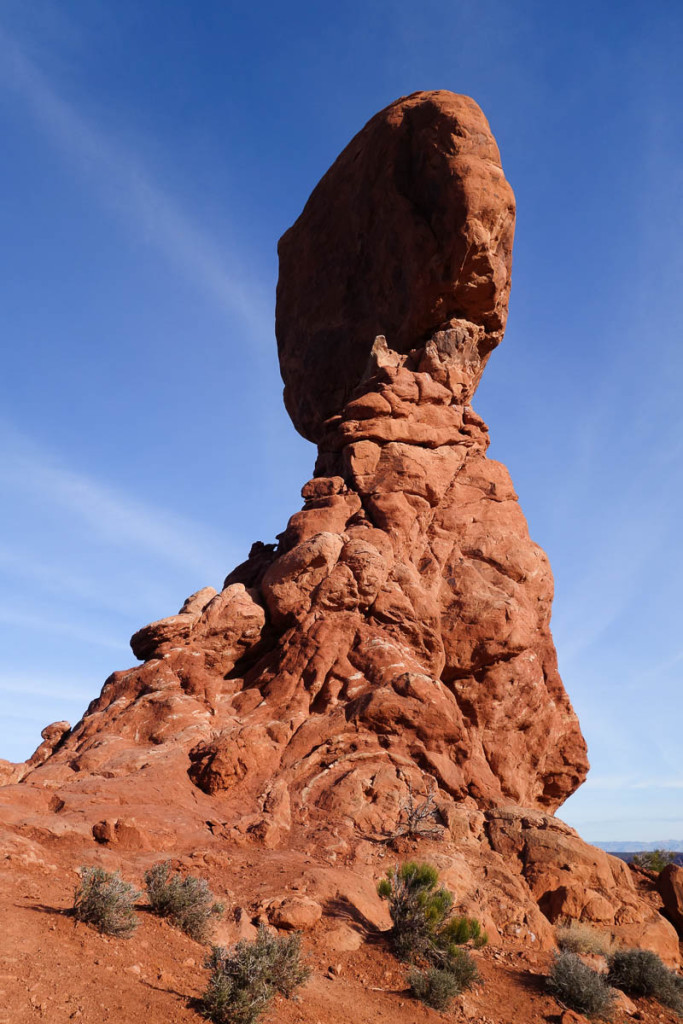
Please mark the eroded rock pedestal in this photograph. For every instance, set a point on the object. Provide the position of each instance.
(394, 646)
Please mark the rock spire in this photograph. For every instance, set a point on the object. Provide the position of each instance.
(394, 644)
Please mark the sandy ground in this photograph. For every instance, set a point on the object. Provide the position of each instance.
(54, 969)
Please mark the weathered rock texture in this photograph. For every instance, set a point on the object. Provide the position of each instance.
(670, 888)
(411, 227)
(394, 646)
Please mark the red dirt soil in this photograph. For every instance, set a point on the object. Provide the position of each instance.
(54, 969)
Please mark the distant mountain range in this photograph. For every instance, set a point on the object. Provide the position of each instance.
(624, 847)
(627, 851)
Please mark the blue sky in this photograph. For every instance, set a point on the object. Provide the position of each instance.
(155, 152)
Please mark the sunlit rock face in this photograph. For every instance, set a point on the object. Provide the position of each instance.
(393, 646)
(411, 227)
(403, 618)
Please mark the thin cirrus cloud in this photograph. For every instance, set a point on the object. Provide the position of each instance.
(625, 782)
(20, 563)
(48, 623)
(127, 188)
(641, 524)
(30, 685)
(113, 517)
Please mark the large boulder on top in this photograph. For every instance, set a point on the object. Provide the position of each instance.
(411, 227)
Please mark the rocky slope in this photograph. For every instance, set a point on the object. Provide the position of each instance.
(392, 651)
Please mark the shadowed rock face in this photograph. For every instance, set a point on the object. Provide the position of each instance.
(411, 226)
(394, 645)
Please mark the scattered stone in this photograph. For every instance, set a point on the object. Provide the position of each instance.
(342, 939)
(623, 1004)
(298, 913)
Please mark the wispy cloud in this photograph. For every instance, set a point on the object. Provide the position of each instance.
(114, 517)
(56, 687)
(129, 190)
(640, 526)
(22, 564)
(620, 783)
(41, 623)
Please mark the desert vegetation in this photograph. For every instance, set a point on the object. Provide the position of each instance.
(579, 987)
(653, 860)
(435, 987)
(105, 901)
(245, 978)
(640, 972)
(187, 902)
(577, 937)
(426, 933)
(418, 818)
(637, 972)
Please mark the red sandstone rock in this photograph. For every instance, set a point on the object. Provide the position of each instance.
(622, 1003)
(572, 880)
(670, 888)
(411, 227)
(52, 735)
(297, 913)
(11, 772)
(394, 648)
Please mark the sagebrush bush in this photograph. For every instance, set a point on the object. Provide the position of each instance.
(187, 902)
(435, 987)
(580, 988)
(245, 978)
(105, 901)
(420, 909)
(463, 969)
(575, 937)
(639, 972)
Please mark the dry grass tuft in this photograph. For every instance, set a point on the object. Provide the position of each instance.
(576, 937)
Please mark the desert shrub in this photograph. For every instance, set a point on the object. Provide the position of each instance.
(459, 930)
(580, 988)
(245, 978)
(418, 818)
(105, 901)
(421, 912)
(575, 937)
(436, 986)
(639, 972)
(653, 860)
(187, 902)
(417, 907)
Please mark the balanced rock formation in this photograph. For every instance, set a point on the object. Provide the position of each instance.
(393, 649)
(410, 228)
